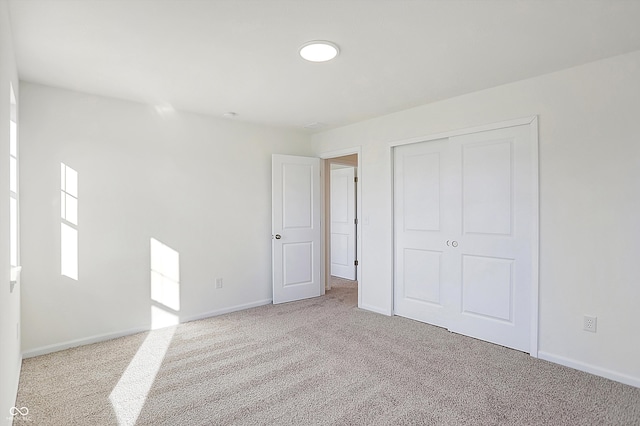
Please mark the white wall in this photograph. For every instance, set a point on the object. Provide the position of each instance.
(200, 185)
(10, 358)
(589, 202)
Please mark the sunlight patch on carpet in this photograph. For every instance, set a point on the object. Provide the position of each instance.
(129, 395)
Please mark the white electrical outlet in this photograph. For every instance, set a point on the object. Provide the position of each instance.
(590, 323)
(218, 282)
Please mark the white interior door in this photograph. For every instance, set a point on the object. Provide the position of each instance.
(343, 225)
(423, 266)
(296, 253)
(495, 234)
(464, 234)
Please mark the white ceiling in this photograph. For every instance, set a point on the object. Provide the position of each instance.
(215, 56)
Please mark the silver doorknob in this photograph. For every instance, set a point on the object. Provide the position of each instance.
(278, 236)
(454, 243)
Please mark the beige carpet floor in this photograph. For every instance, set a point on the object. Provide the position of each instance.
(318, 361)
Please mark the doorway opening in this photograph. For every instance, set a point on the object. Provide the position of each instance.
(300, 231)
(341, 233)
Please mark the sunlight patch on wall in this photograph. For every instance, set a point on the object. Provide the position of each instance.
(69, 222)
(13, 180)
(130, 393)
(69, 250)
(165, 285)
(68, 194)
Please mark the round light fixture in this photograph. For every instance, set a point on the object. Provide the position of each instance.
(319, 51)
(314, 126)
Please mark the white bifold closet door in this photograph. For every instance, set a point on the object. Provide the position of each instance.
(463, 209)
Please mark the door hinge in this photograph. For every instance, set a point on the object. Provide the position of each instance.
(355, 179)
(355, 221)
(355, 263)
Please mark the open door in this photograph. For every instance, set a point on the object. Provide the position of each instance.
(296, 234)
(343, 222)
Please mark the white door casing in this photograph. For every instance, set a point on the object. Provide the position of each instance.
(343, 226)
(296, 233)
(464, 223)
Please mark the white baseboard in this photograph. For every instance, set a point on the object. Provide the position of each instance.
(43, 350)
(227, 310)
(588, 368)
(375, 309)
(108, 336)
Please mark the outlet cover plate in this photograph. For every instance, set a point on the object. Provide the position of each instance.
(590, 323)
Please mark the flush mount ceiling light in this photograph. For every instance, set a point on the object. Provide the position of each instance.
(319, 51)
(315, 125)
(164, 108)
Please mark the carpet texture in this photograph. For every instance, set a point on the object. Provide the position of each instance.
(317, 361)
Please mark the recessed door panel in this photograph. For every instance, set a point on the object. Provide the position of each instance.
(421, 191)
(422, 275)
(487, 182)
(297, 263)
(297, 193)
(340, 249)
(340, 196)
(487, 287)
